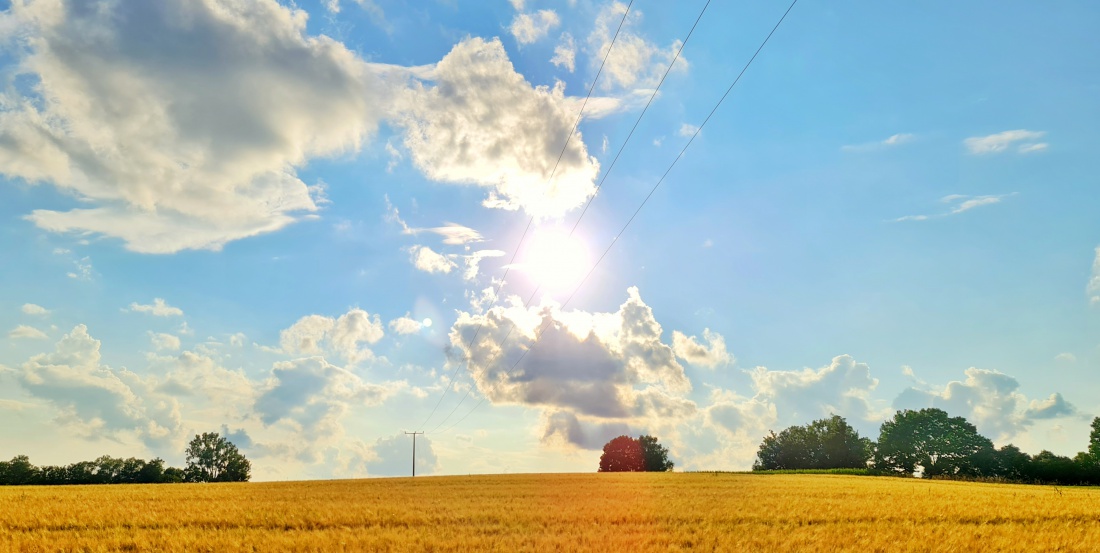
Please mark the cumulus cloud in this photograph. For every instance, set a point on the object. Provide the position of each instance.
(991, 400)
(392, 456)
(343, 336)
(179, 123)
(405, 325)
(843, 387)
(159, 308)
(595, 367)
(24, 332)
(1025, 141)
(528, 28)
(313, 395)
(634, 61)
(94, 397)
(33, 309)
(710, 355)
(164, 342)
(476, 120)
(565, 53)
(566, 429)
(430, 261)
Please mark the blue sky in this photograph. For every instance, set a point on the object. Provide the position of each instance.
(288, 221)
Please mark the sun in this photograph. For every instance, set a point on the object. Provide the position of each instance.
(555, 260)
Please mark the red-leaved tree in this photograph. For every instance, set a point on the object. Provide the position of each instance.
(623, 454)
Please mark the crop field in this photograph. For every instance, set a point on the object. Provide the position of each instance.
(556, 512)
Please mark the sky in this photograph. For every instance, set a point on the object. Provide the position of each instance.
(298, 223)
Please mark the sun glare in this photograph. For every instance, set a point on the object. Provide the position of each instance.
(555, 260)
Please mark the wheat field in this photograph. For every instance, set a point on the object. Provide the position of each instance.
(556, 512)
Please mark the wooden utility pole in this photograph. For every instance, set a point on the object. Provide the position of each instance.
(414, 450)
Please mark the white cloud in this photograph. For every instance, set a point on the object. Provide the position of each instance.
(94, 398)
(634, 61)
(995, 143)
(164, 342)
(473, 262)
(24, 332)
(603, 368)
(1066, 357)
(990, 400)
(392, 456)
(958, 203)
(33, 309)
(1031, 148)
(313, 395)
(405, 325)
(343, 336)
(453, 234)
(158, 308)
(1092, 289)
(430, 261)
(179, 123)
(711, 355)
(83, 266)
(565, 53)
(892, 140)
(517, 4)
(483, 123)
(962, 203)
(687, 130)
(529, 28)
(843, 387)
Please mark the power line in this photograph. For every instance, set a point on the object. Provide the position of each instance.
(615, 240)
(508, 267)
(652, 96)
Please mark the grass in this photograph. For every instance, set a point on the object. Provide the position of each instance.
(559, 512)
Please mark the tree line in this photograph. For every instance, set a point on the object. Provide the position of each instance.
(209, 457)
(928, 443)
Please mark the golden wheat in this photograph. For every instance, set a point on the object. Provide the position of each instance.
(607, 512)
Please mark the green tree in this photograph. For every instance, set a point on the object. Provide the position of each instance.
(151, 472)
(212, 458)
(654, 455)
(931, 440)
(1094, 440)
(822, 444)
(18, 472)
(1012, 463)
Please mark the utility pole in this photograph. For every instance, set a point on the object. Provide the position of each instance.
(414, 450)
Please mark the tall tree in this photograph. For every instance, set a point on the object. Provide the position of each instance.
(212, 458)
(932, 440)
(1094, 440)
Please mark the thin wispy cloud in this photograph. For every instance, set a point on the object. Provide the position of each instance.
(1022, 140)
(956, 204)
(893, 140)
(453, 234)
